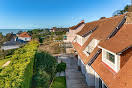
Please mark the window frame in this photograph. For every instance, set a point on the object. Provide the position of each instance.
(110, 56)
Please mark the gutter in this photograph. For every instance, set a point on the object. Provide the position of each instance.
(119, 53)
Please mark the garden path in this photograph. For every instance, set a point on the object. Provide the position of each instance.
(74, 78)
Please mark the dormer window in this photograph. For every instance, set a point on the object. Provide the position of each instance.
(91, 46)
(111, 57)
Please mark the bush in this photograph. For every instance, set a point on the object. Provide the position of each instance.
(18, 73)
(41, 79)
(61, 67)
(44, 63)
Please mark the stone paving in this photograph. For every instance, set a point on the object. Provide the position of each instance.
(74, 78)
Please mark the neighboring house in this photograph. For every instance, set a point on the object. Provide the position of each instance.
(24, 36)
(89, 54)
(71, 35)
(11, 45)
(55, 29)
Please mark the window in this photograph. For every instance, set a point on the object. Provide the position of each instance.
(91, 46)
(111, 57)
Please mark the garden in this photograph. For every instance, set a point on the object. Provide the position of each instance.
(45, 69)
(30, 68)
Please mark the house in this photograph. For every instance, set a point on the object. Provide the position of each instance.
(114, 63)
(24, 36)
(12, 44)
(95, 46)
(71, 35)
(55, 29)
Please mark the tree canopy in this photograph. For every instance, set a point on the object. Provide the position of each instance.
(120, 12)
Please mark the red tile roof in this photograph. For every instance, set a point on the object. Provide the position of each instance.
(101, 33)
(122, 79)
(76, 26)
(122, 40)
(24, 34)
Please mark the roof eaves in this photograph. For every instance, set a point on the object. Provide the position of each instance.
(119, 53)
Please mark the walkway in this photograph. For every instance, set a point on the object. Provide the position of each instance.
(74, 78)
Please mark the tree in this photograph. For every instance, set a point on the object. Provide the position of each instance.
(19, 32)
(120, 12)
(9, 36)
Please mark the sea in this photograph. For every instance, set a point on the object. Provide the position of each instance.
(5, 31)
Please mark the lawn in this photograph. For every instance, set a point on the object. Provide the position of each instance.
(3, 61)
(59, 82)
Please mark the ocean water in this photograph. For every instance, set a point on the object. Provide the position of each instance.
(5, 31)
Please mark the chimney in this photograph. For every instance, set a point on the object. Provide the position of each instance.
(82, 21)
(102, 18)
(130, 8)
(129, 15)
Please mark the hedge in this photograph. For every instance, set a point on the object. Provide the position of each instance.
(18, 74)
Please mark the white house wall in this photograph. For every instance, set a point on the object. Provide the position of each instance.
(72, 33)
(115, 66)
(79, 61)
(91, 76)
(9, 47)
(84, 39)
(24, 38)
(81, 40)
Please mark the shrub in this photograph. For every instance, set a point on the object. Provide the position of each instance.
(61, 67)
(46, 62)
(44, 69)
(41, 79)
(18, 73)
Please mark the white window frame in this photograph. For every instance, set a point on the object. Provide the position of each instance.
(115, 66)
(92, 47)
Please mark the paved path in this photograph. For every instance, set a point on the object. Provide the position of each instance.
(74, 78)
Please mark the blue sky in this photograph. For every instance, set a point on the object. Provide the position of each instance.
(47, 13)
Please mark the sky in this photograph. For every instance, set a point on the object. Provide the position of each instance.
(29, 14)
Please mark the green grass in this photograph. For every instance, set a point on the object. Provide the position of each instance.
(59, 82)
(3, 61)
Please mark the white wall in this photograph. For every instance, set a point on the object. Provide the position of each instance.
(72, 33)
(115, 66)
(9, 47)
(25, 38)
(91, 46)
(81, 40)
(84, 39)
(90, 76)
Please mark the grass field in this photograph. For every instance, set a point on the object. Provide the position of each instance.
(3, 61)
(59, 82)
